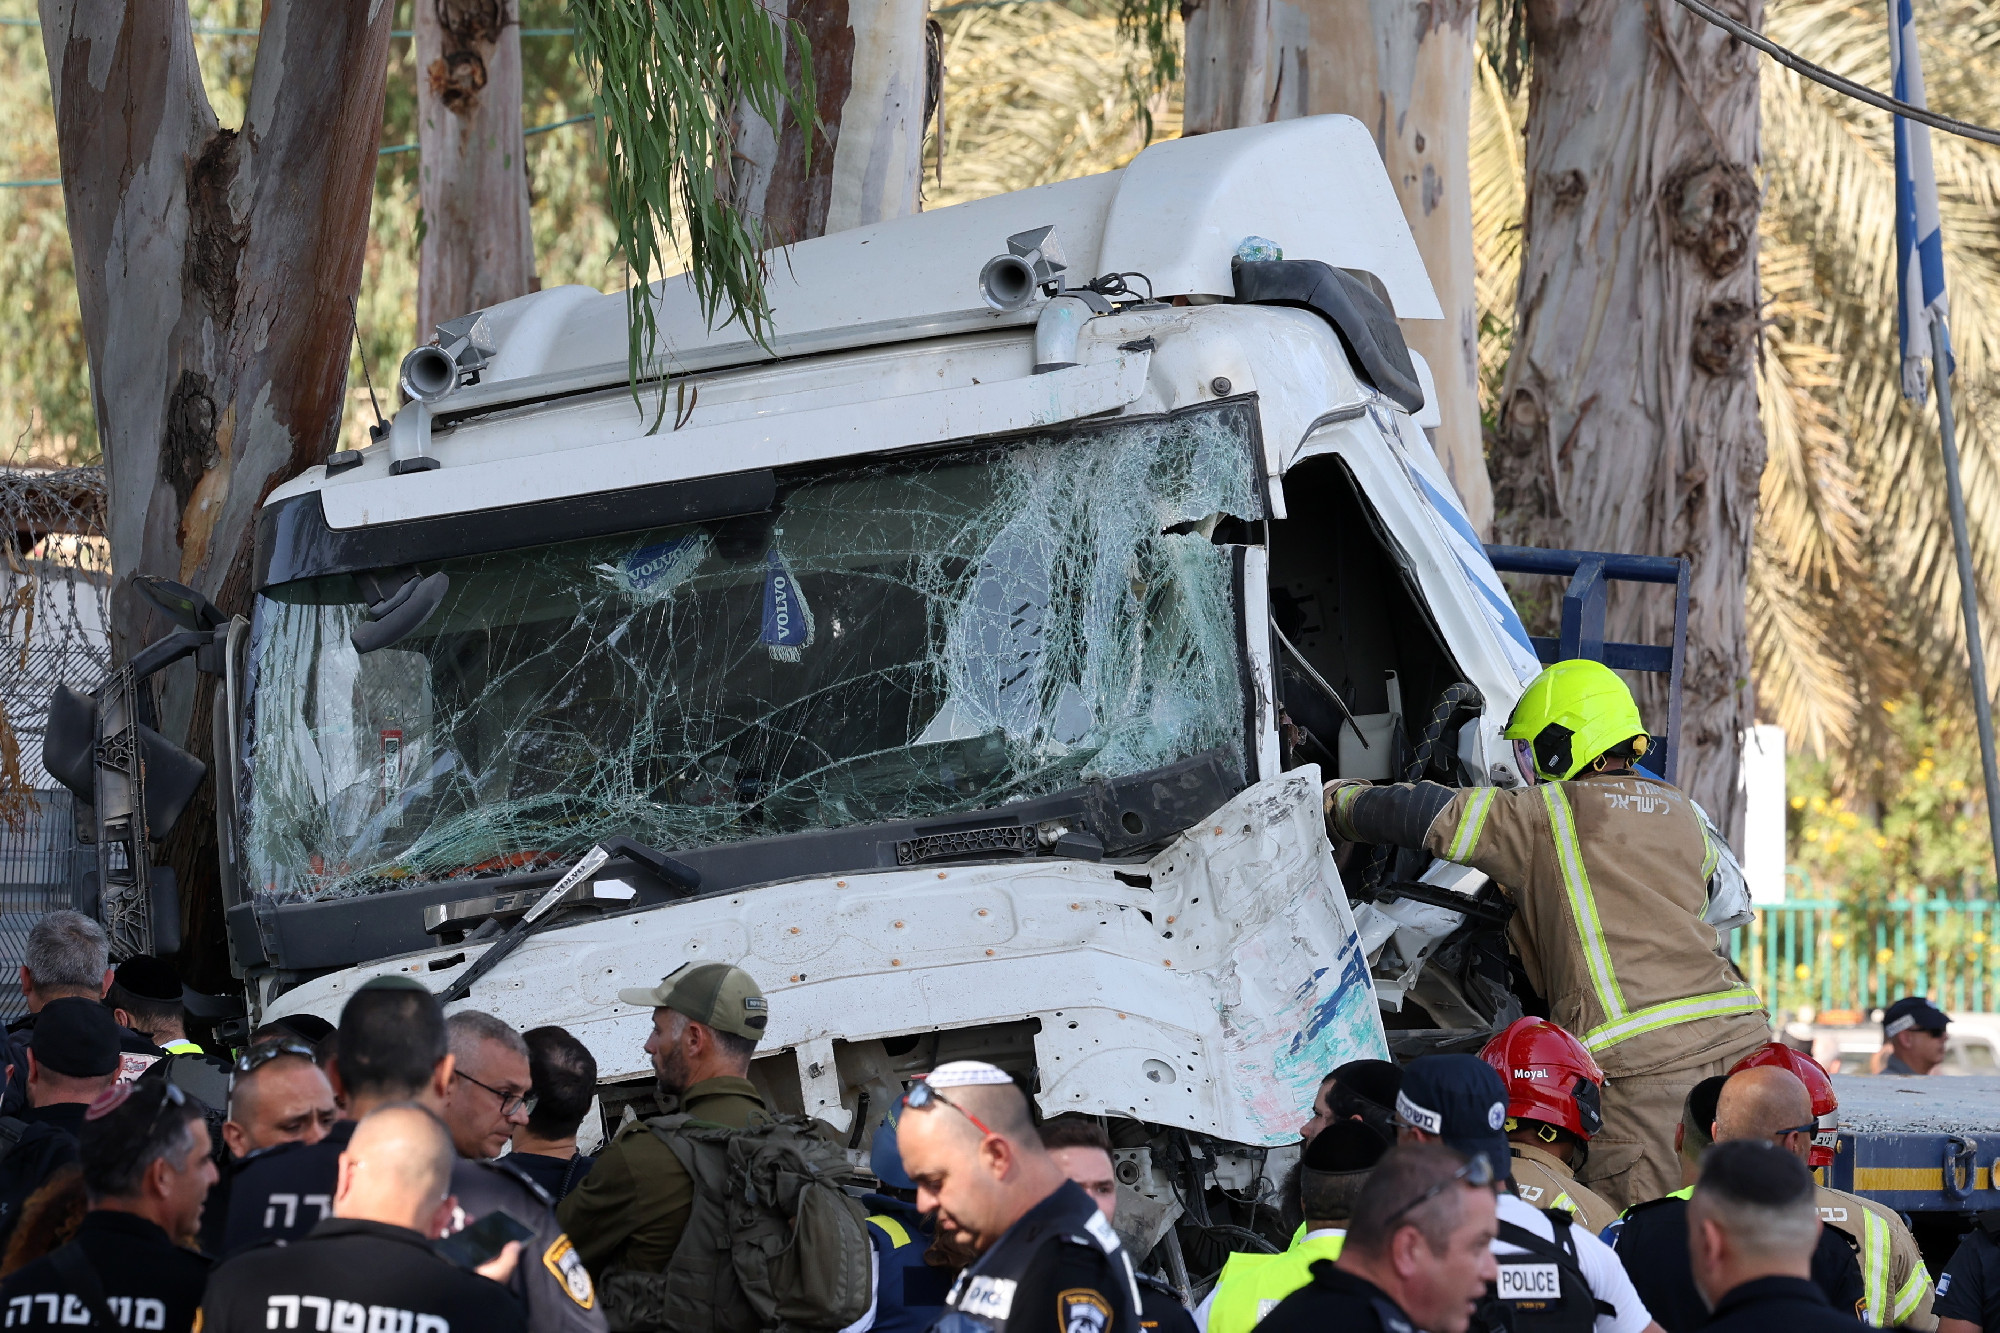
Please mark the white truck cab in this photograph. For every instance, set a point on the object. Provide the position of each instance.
(974, 651)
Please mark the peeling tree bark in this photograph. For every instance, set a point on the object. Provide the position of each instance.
(869, 80)
(1405, 71)
(1629, 416)
(478, 249)
(215, 270)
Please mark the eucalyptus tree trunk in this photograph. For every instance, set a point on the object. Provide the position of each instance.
(1628, 421)
(216, 270)
(869, 84)
(1405, 71)
(472, 181)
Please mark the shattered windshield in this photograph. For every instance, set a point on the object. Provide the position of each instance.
(899, 639)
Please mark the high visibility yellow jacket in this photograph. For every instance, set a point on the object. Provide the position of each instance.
(1893, 1275)
(1251, 1285)
(1544, 1180)
(1609, 877)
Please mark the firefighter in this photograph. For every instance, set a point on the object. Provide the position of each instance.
(1893, 1275)
(1554, 1108)
(1609, 872)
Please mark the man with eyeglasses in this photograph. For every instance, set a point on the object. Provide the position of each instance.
(393, 1045)
(492, 1092)
(1554, 1276)
(146, 1169)
(1764, 1103)
(1049, 1261)
(1418, 1251)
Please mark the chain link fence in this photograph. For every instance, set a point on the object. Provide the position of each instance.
(54, 629)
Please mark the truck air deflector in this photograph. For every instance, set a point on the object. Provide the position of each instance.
(294, 540)
(1366, 325)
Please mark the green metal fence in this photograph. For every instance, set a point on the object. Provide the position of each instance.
(1830, 956)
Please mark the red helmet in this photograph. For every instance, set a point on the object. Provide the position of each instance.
(1549, 1075)
(1825, 1106)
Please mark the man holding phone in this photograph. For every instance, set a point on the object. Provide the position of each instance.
(374, 1256)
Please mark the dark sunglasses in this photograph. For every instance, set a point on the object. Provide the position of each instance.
(527, 1101)
(254, 1059)
(922, 1096)
(1477, 1171)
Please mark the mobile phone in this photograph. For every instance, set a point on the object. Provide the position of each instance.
(482, 1241)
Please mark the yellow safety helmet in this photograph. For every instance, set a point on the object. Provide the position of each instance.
(1572, 713)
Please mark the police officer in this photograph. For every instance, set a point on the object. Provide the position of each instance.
(1968, 1291)
(278, 1094)
(1049, 1260)
(146, 997)
(66, 958)
(369, 1265)
(1913, 1028)
(392, 1047)
(1331, 1172)
(912, 1272)
(1418, 1252)
(1082, 1150)
(1893, 1275)
(1554, 1107)
(146, 1169)
(629, 1213)
(1751, 1231)
(1610, 871)
(1553, 1275)
(1763, 1104)
(72, 1057)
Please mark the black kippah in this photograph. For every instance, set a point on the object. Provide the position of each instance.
(1377, 1081)
(1343, 1148)
(149, 978)
(75, 1037)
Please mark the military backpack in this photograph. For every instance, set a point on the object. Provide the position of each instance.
(774, 1242)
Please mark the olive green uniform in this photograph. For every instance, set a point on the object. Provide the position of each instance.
(630, 1210)
(1609, 874)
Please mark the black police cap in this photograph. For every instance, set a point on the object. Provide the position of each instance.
(1913, 1011)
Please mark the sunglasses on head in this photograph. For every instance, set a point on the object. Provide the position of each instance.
(1476, 1171)
(922, 1096)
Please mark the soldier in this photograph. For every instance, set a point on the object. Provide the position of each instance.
(1049, 1261)
(146, 1170)
(1419, 1251)
(1893, 1275)
(630, 1211)
(369, 1265)
(1610, 871)
(392, 1047)
(1553, 1111)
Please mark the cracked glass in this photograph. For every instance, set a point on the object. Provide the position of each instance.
(896, 639)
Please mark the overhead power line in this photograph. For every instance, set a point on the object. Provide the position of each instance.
(1819, 74)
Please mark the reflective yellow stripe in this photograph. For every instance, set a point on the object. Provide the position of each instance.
(1470, 823)
(1569, 856)
(1911, 1296)
(1741, 1000)
(898, 1234)
(1567, 1204)
(1875, 1268)
(1343, 799)
(180, 1046)
(1711, 855)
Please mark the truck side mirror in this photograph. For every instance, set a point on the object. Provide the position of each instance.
(182, 604)
(69, 742)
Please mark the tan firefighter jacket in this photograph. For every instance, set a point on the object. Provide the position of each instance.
(1543, 1179)
(1893, 1276)
(1609, 877)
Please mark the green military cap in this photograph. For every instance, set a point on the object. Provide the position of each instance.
(718, 994)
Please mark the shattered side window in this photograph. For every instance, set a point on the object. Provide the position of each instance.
(901, 639)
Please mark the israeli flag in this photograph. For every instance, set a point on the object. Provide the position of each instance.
(1919, 234)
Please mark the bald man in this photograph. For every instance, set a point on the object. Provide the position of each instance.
(1048, 1260)
(1764, 1103)
(393, 1198)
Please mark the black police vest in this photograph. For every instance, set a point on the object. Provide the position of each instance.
(982, 1300)
(1541, 1290)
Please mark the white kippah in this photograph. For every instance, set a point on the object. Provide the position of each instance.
(966, 1074)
